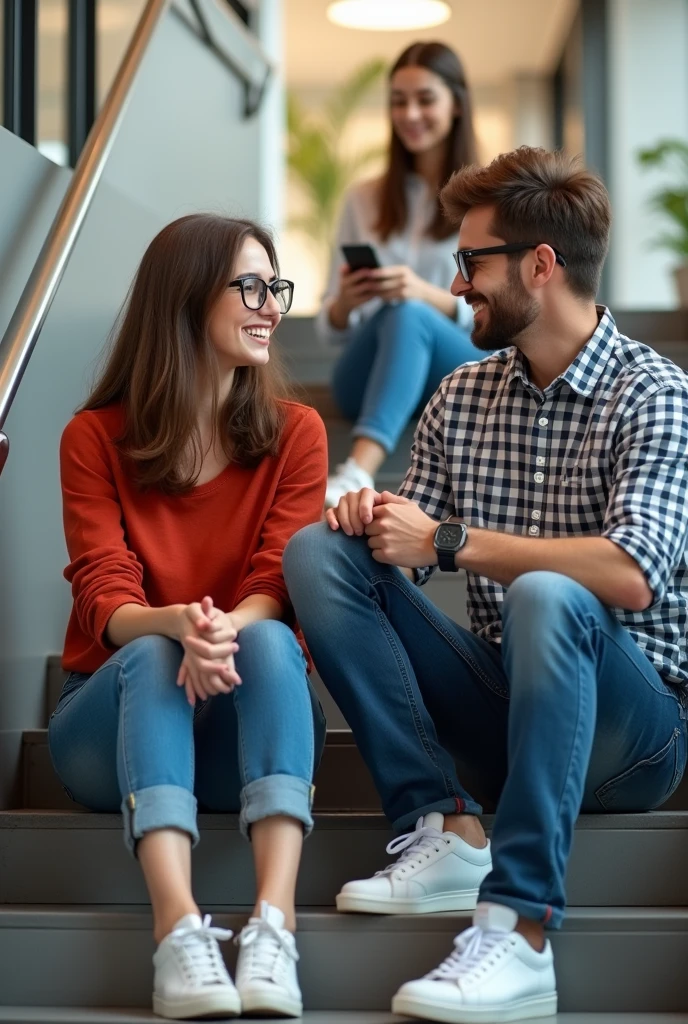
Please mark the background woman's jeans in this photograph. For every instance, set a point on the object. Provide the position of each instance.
(569, 713)
(393, 364)
(127, 736)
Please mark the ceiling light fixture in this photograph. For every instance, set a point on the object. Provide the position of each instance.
(388, 15)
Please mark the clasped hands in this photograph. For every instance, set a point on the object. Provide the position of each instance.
(398, 531)
(208, 637)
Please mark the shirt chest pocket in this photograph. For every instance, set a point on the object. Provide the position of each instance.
(584, 487)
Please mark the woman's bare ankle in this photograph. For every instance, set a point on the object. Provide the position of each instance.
(468, 828)
(164, 924)
(368, 454)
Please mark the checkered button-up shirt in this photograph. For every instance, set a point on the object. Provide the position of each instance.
(602, 451)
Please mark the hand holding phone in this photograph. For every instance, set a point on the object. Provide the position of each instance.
(360, 257)
(355, 286)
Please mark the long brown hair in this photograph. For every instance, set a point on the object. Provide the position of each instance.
(161, 344)
(460, 144)
(540, 196)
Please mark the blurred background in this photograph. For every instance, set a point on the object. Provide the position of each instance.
(604, 78)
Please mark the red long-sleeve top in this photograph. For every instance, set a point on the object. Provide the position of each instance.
(224, 538)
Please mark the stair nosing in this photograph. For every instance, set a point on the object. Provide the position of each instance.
(138, 916)
(55, 819)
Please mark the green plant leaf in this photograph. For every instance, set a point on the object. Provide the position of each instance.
(315, 158)
(670, 201)
(349, 95)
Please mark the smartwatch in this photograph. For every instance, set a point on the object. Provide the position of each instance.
(449, 538)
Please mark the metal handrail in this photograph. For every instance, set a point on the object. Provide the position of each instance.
(40, 289)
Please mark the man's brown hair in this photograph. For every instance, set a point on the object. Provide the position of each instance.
(540, 196)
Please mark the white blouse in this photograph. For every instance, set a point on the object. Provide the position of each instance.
(429, 258)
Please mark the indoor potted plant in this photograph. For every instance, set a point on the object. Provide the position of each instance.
(320, 160)
(672, 201)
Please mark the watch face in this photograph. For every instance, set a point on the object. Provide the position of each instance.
(449, 535)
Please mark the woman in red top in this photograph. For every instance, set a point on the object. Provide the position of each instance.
(183, 477)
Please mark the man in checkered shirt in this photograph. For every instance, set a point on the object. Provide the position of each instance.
(561, 459)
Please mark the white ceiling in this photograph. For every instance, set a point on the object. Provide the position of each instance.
(496, 39)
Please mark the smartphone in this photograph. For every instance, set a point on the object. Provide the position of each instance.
(360, 257)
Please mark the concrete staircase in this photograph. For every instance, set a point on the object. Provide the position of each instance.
(75, 942)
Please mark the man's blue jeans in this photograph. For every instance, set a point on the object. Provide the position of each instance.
(568, 715)
(127, 737)
(393, 364)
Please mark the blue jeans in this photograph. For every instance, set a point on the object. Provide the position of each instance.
(393, 364)
(127, 737)
(568, 715)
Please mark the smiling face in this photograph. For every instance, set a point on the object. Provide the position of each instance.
(422, 109)
(502, 306)
(241, 336)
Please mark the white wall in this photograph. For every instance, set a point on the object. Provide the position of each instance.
(185, 144)
(34, 598)
(648, 82)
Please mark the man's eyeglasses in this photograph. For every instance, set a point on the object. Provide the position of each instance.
(464, 256)
(254, 292)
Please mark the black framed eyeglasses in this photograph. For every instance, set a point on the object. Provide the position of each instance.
(464, 256)
(254, 291)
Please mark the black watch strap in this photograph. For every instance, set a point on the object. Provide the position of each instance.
(445, 561)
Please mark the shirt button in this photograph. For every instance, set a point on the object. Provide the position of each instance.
(539, 478)
(536, 514)
(543, 421)
(540, 460)
(534, 530)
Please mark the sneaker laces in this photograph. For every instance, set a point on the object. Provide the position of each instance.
(413, 847)
(267, 945)
(474, 950)
(202, 959)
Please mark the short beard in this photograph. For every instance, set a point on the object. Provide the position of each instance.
(510, 312)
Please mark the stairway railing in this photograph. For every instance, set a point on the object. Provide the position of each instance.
(28, 318)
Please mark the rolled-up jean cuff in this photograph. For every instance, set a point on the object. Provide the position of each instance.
(445, 805)
(276, 794)
(543, 913)
(157, 807)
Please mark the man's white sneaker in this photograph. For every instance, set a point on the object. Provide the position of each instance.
(494, 975)
(191, 979)
(266, 969)
(349, 476)
(436, 871)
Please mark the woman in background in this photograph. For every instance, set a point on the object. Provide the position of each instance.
(401, 329)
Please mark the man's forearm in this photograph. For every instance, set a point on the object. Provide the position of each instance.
(598, 564)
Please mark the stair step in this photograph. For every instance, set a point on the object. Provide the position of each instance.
(622, 960)
(95, 1015)
(633, 860)
(342, 782)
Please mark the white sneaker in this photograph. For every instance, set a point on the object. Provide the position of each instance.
(191, 979)
(493, 975)
(436, 871)
(348, 477)
(266, 969)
